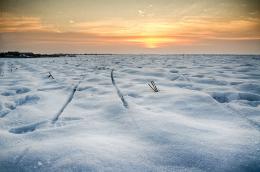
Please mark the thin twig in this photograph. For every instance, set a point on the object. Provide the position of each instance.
(50, 75)
(153, 86)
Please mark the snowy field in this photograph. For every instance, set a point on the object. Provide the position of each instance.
(206, 116)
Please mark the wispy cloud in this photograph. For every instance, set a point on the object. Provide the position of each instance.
(159, 33)
(143, 32)
(10, 23)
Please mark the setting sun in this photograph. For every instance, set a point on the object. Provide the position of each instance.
(152, 41)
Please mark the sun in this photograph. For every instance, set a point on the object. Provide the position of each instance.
(152, 34)
(153, 41)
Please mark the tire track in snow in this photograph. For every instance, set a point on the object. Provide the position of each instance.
(250, 121)
(27, 128)
(56, 117)
(4, 113)
(32, 127)
(1, 67)
(120, 95)
(230, 109)
(21, 156)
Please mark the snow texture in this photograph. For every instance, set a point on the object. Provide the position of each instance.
(98, 113)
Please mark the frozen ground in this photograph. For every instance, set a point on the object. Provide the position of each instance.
(206, 116)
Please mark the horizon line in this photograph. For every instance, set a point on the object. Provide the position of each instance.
(86, 53)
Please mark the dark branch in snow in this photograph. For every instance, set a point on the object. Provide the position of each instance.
(153, 86)
(50, 75)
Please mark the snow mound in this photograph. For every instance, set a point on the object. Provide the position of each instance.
(98, 113)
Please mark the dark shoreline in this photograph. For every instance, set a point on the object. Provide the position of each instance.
(16, 54)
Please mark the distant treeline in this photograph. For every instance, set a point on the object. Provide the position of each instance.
(16, 54)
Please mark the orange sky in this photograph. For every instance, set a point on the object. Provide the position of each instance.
(130, 26)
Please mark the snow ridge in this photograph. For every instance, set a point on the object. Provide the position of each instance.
(27, 128)
(56, 117)
(120, 95)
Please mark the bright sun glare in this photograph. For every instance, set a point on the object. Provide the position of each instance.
(152, 41)
(153, 35)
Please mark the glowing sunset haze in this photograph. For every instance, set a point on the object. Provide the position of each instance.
(130, 26)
